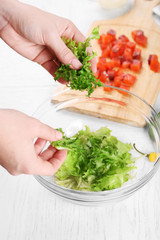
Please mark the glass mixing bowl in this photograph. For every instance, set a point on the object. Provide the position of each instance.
(131, 119)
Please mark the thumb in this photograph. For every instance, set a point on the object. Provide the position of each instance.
(48, 167)
(63, 53)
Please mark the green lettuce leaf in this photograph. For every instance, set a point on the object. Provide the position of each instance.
(96, 161)
(82, 79)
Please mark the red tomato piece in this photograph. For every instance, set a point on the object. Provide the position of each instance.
(117, 81)
(108, 89)
(128, 79)
(123, 38)
(103, 46)
(126, 64)
(116, 61)
(122, 48)
(137, 54)
(154, 63)
(139, 38)
(115, 42)
(103, 76)
(112, 33)
(131, 45)
(109, 65)
(125, 88)
(101, 65)
(127, 55)
(111, 74)
(119, 72)
(101, 40)
(107, 38)
(110, 36)
(106, 51)
(117, 50)
(136, 65)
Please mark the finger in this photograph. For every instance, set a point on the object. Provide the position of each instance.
(58, 159)
(46, 132)
(72, 32)
(48, 153)
(39, 145)
(62, 52)
(78, 36)
(94, 65)
(49, 168)
(93, 60)
(62, 81)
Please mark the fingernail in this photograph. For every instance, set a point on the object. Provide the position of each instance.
(58, 135)
(75, 63)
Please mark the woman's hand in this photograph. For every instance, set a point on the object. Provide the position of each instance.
(36, 35)
(18, 152)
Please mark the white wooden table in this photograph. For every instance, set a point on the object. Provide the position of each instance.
(30, 212)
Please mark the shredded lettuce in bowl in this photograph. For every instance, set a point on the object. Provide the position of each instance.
(96, 161)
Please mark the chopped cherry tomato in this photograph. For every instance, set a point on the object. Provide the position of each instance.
(123, 38)
(139, 37)
(154, 63)
(117, 50)
(101, 40)
(137, 54)
(103, 46)
(136, 65)
(117, 81)
(122, 48)
(131, 45)
(108, 89)
(110, 65)
(126, 64)
(101, 65)
(125, 88)
(127, 55)
(129, 79)
(111, 74)
(103, 76)
(107, 38)
(116, 62)
(119, 72)
(123, 54)
(106, 51)
(115, 42)
(112, 33)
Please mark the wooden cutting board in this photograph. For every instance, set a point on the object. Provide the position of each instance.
(147, 85)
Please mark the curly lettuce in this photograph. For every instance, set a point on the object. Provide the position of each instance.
(96, 161)
(82, 79)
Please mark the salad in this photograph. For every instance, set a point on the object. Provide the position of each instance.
(96, 161)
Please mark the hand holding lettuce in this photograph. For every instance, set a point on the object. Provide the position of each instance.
(82, 79)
